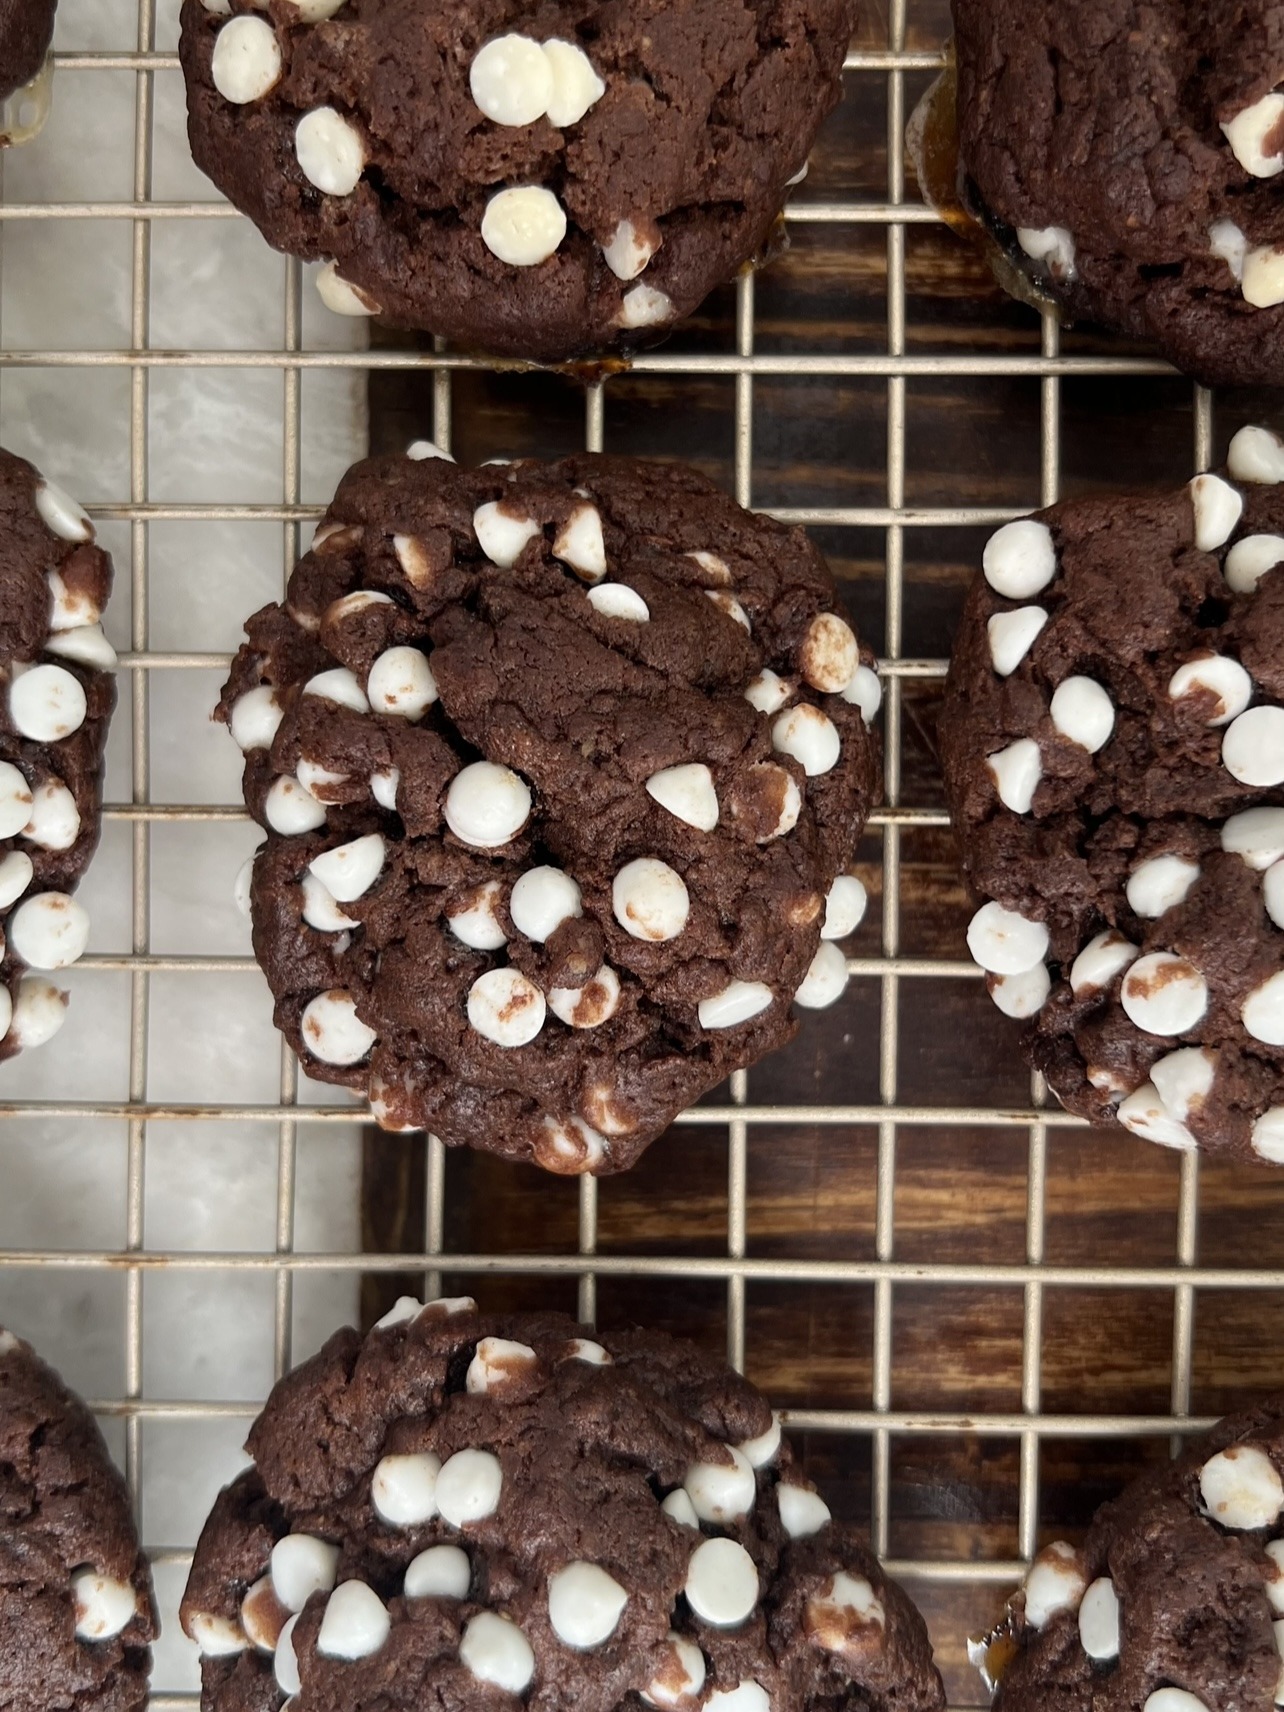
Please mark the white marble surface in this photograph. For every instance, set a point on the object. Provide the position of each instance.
(214, 436)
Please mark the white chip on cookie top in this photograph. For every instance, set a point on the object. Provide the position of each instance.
(1256, 455)
(576, 84)
(1051, 245)
(497, 1362)
(1004, 942)
(475, 919)
(644, 306)
(617, 600)
(1217, 508)
(469, 1486)
(541, 900)
(441, 1572)
(1021, 996)
(1253, 747)
(809, 737)
(1012, 634)
(1020, 559)
(1256, 136)
(1249, 559)
(1099, 1621)
(330, 150)
(630, 249)
(349, 870)
(61, 514)
(505, 1007)
(721, 1491)
(688, 793)
(355, 1622)
(1222, 680)
(496, 1651)
(49, 931)
(301, 1565)
(1164, 994)
(246, 62)
(1241, 1488)
(678, 1681)
(722, 1583)
(16, 800)
(588, 1006)
(828, 654)
(826, 979)
(1144, 1113)
(333, 1032)
(54, 823)
(102, 1605)
(1263, 279)
(650, 900)
(487, 805)
(290, 808)
(400, 682)
(403, 1489)
(580, 544)
(1263, 1011)
(737, 1002)
(502, 533)
(523, 226)
(46, 703)
(585, 1604)
(1256, 834)
(1055, 1583)
(511, 80)
(1160, 884)
(1016, 772)
(1083, 712)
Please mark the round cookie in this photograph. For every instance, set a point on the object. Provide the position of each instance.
(1113, 745)
(462, 1508)
(26, 30)
(1175, 1600)
(76, 1610)
(538, 181)
(58, 696)
(1128, 160)
(561, 766)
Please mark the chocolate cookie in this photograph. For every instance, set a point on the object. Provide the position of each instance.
(561, 766)
(538, 180)
(1175, 1600)
(59, 694)
(76, 1609)
(1128, 156)
(1113, 743)
(464, 1509)
(26, 30)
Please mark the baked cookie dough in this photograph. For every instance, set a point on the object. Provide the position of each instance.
(76, 1610)
(1113, 744)
(464, 1509)
(1128, 158)
(1175, 1600)
(26, 72)
(56, 669)
(538, 181)
(562, 767)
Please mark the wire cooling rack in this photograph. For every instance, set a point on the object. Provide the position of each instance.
(895, 56)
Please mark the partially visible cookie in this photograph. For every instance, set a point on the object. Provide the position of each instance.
(538, 181)
(466, 1509)
(562, 767)
(76, 1610)
(26, 30)
(57, 699)
(1175, 1600)
(1113, 745)
(1128, 158)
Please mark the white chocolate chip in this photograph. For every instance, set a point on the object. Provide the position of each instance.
(629, 251)
(419, 450)
(16, 872)
(588, 1006)
(340, 686)
(1184, 1079)
(1268, 1144)
(403, 1489)
(61, 515)
(285, 1662)
(768, 693)
(86, 646)
(722, 1583)
(511, 80)
(401, 682)
(1099, 1621)
(802, 1511)
(584, 1605)
(441, 1572)
(333, 1032)
(826, 979)
(1263, 281)
(828, 656)
(1159, 885)
(1021, 996)
(47, 703)
(302, 1565)
(1082, 711)
(402, 1311)
(246, 62)
(38, 1014)
(1253, 747)
(865, 691)
(728, 604)
(680, 1679)
(1164, 994)
(1011, 636)
(569, 1146)
(290, 808)
(1055, 1583)
(1020, 559)
(1263, 1011)
(644, 306)
(1256, 834)
(687, 793)
(1249, 560)
(103, 1605)
(841, 1615)
(1256, 455)
(541, 900)
(586, 1350)
(16, 800)
(506, 1008)
(1005, 943)
(321, 909)
(501, 535)
(714, 567)
(383, 787)
(580, 543)
(1051, 245)
(355, 1623)
(1145, 1114)
(1248, 131)
(1217, 507)
(468, 1486)
(256, 718)
(49, 931)
(746, 1696)
(1229, 245)
(1275, 1577)
(738, 1002)
(411, 554)
(650, 900)
(1016, 772)
(496, 1361)
(340, 296)
(477, 924)
(69, 611)
(678, 1507)
(1273, 893)
(215, 1637)
(55, 819)
(487, 805)
(312, 11)
(1218, 676)
(1241, 1488)
(523, 227)
(576, 85)
(495, 1650)
(330, 151)
(809, 737)
(617, 600)
(1174, 1700)
(845, 907)
(349, 870)
(263, 1616)
(722, 1491)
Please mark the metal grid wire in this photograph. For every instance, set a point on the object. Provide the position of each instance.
(736, 1269)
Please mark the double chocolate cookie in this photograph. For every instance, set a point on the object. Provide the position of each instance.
(1175, 1600)
(26, 30)
(76, 1610)
(58, 697)
(1128, 158)
(540, 181)
(1113, 743)
(464, 1509)
(561, 767)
